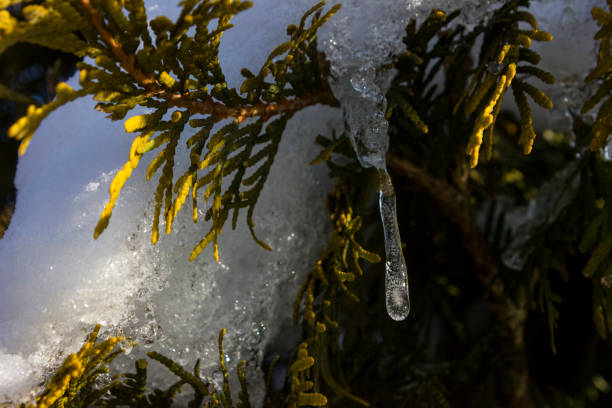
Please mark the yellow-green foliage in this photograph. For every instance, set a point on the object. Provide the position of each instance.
(72, 385)
(201, 388)
(24, 128)
(338, 266)
(416, 41)
(505, 47)
(602, 128)
(177, 75)
(597, 242)
(53, 24)
(224, 399)
(301, 394)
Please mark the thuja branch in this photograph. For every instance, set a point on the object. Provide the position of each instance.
(127, 62)
(260, 109)
(207, 106)
(177, 76)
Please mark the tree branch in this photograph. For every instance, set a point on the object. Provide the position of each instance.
(454, 203)
(126, 62)
(265, 110)
(208, 106)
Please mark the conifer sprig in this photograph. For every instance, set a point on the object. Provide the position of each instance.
(410, 79)
(504, 47)
(301, 394)
(178, 74)
(316, 303)
(73, 383)
(602, 128)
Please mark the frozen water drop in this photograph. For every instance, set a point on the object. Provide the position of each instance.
(396, 274)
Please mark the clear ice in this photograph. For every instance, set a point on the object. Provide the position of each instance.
(396, 274)
(362, 97)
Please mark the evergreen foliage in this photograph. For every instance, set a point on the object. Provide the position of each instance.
(479, 272)
(338, 266)
(602, 71)
(178, 77)
(504, 46)
(75, 383)
(565, 184)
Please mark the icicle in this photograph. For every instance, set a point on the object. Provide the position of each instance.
(396, 276)
(361, 93)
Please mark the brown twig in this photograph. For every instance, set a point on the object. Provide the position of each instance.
(265, 110)
(207, 106)
(127, 62)
(511, 314)
(455, 204)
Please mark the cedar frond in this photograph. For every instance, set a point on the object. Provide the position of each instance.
(331, 276)
(301, 394)
(505, 45)
(73, 383)
(178, 73)
(602, 128)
